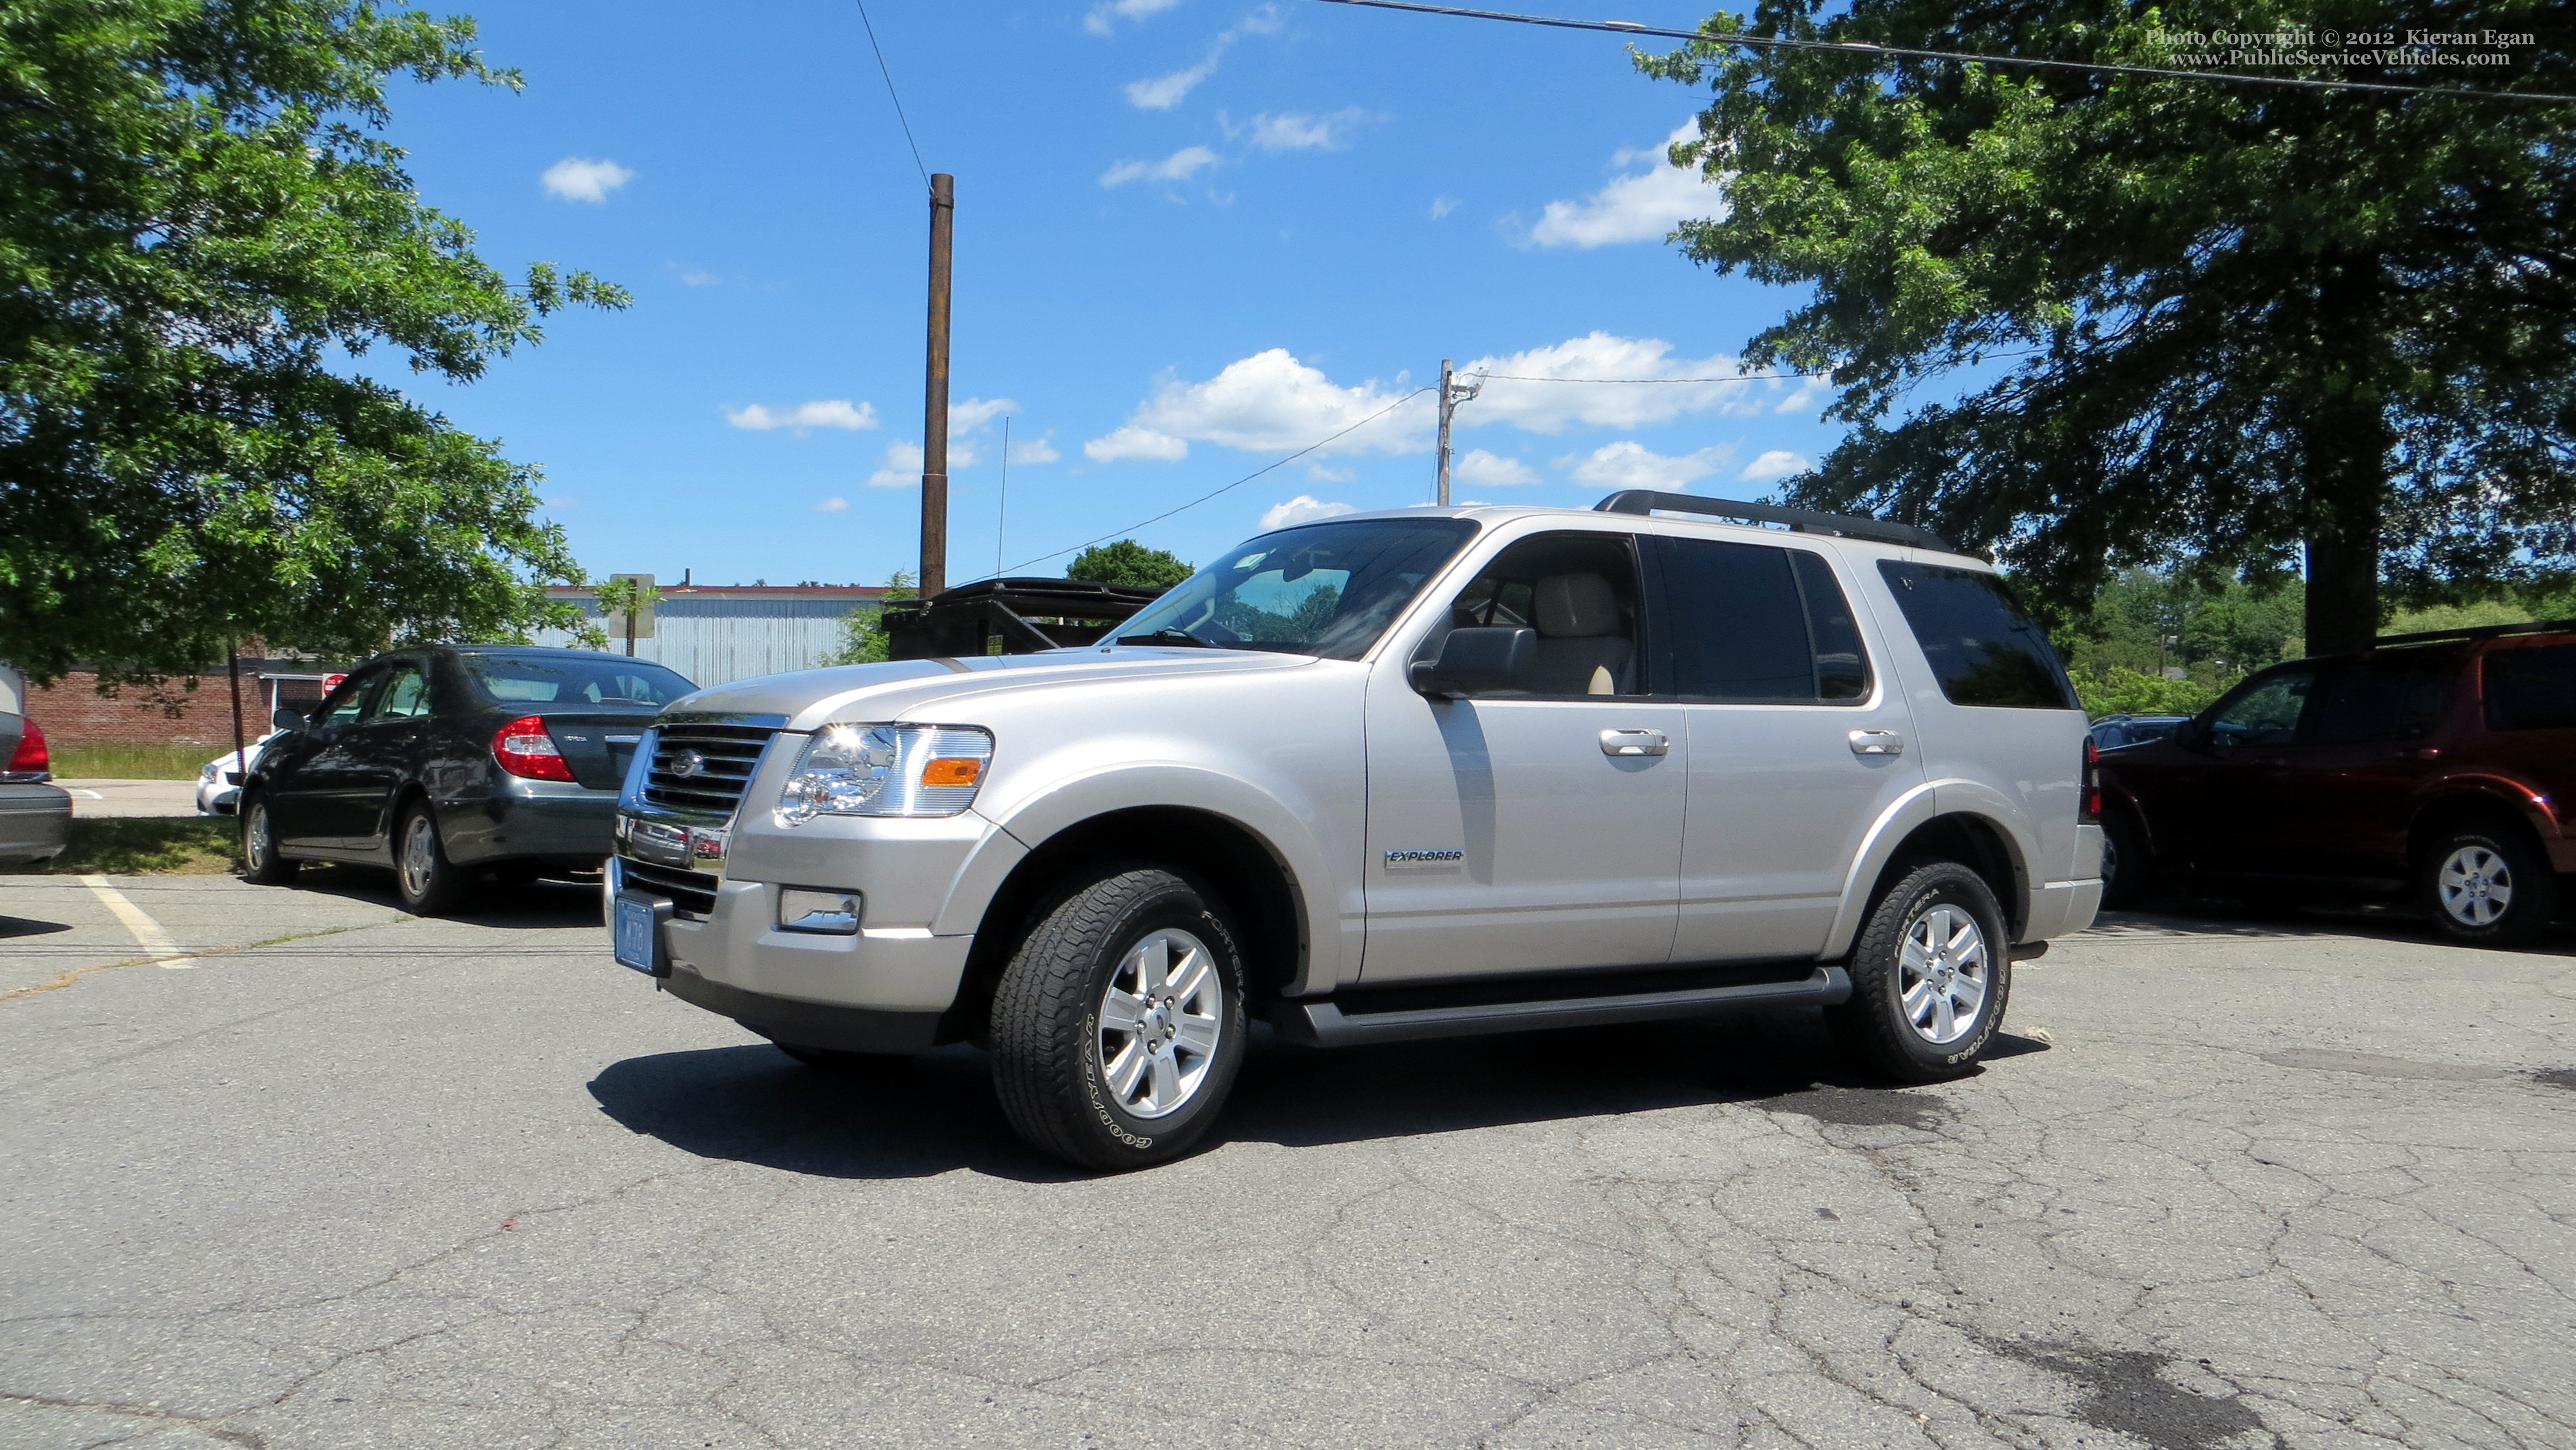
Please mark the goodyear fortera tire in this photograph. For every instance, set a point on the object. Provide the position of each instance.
(1119, 1025)
(1931, 975)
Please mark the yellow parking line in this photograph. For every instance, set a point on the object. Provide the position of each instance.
(147, 932)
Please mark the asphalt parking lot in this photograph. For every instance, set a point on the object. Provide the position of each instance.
(326, 1175)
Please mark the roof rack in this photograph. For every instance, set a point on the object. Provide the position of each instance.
(2483, 631)
(1807, 521)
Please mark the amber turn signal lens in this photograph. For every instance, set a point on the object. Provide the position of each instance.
(952, 771)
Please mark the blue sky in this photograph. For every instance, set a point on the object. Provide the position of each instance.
(1192, 236)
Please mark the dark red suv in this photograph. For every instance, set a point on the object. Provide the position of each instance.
(2442, 766)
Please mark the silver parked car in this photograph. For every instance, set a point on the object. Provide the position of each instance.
(1385, 777)
(35, 814)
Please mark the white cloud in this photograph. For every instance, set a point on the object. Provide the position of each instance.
(901, 467)
(1551, 407)
(1642, 207)
(1326, 473)
(699, 279)
(1629, 464)
(1161, 93)
(562, 501)
(821, 413)
(1035, 450)
(1295, 131)
(1441, 206)
(1805, 396)
(1267, 403)
(1103, 18)
(832, 506)
(1489, 470)
(1134, 442)
(577, 178)
(1304, 508)
(1776, 463)
(976, 412)
(1181, 165)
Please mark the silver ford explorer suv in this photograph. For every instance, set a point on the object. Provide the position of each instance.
(1388, 776)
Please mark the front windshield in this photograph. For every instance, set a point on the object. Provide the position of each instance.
(1324, 589)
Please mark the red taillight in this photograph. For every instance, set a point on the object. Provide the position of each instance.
(2092, 809)
(524, 748)
(31, 757)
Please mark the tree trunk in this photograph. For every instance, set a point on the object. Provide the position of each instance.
(2346, 446)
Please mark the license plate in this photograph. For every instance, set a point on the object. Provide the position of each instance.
(638, 933)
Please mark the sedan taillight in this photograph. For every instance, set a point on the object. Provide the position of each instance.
(31, 761)
(525, 749)
(2091, 811)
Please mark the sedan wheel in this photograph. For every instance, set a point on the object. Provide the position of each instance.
(426, 880)
(260, 861)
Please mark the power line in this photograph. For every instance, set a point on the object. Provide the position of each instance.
(1866, 48)
(891, 94)
(1238, 483)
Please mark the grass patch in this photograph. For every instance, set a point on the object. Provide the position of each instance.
(111, 761)
(145, 846)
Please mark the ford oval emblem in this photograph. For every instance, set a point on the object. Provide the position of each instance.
(690, 763)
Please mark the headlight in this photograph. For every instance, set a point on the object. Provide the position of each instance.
(886, 770)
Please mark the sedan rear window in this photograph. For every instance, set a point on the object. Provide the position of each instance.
(1982, 648)
(560, 680)
(2532, 689)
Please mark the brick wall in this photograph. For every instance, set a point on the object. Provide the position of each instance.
(73, 712)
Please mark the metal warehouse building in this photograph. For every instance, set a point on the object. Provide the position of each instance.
(718, 633)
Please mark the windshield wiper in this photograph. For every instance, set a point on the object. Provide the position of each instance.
(1166, 636)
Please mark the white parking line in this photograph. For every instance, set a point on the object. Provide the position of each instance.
(147, 932)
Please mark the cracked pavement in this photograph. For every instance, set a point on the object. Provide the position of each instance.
(466, 1182)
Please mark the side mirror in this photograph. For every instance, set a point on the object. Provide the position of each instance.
(288, 718)
(1479, 660)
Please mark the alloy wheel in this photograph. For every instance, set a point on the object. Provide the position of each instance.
(1942, 973)
(257, 848)
(419, 856)
(1160, 1017)
(2476, 886)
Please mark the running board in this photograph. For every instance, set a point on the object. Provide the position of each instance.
(1326, 1024)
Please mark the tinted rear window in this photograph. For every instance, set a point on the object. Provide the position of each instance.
(1983, 649)
(1754, 624)
(2532, 689)
(561, 680)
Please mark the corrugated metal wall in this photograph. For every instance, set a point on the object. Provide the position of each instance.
(718, 641)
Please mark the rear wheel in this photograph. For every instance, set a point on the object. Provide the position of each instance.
(2126, 864)
(1119, 1024)
(261, 864)
(428, 883)
(1931, 974)
(2487, 885)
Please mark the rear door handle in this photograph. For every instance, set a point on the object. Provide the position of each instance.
(1876, 742)
(1635, 742)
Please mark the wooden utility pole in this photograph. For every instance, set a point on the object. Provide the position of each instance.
(1447, 406)
(934, 423)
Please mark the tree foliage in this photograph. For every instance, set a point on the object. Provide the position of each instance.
(1130, 563)
(863, 636)
(2279, 330)
(198, 218)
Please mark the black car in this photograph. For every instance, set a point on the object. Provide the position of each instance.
(445, 762)
(2113, 731)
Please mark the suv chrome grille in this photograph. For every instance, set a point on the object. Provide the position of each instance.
(725, 758)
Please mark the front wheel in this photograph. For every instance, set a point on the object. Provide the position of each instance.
(428, 883)
(1931, 973)
(2487, 887)
(2126, 864)
(1119, 1025)
(261, 863)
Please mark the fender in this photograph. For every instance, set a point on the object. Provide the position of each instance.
(1924, 803)
(1031, 820)
(2533, 806)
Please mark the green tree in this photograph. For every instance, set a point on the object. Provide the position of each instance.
(617, 598)
(2277, 330)
(863, 636)
(197, 217)
(1130, 563)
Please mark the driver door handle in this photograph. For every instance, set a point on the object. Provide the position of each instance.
(1635, 742)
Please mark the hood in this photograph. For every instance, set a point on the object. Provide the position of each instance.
(904, 689)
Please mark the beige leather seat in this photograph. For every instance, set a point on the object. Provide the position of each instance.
(1583, 647)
